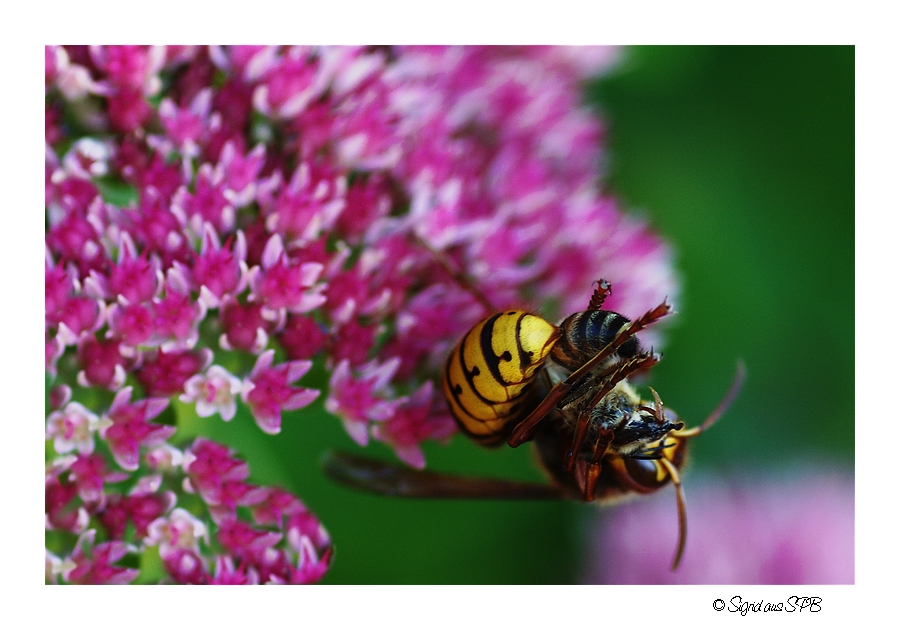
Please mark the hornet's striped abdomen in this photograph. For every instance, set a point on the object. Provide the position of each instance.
(586, 333)
(488, 373)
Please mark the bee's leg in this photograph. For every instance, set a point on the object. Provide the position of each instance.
(586, 477)
(596, 464)
(602, 292)
(658, 411)
(602, 384)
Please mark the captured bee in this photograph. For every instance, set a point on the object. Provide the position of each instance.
(516, 377)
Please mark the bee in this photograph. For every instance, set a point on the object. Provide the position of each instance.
(515, 377)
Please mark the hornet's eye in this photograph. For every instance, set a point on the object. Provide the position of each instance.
(646, 473)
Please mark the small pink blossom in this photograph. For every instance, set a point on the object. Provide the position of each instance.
(134, 277)
(208, 203)
(308, 205)
(179, 530)
(186, 566)
(73, 80)
(275, 506)
(241, 172)
(280, 284)
(267, 391)
(302, 337)
(87, 158)
(302, 524)
(288, 85)
(357, 400)
(128, 111)
(130, 67)
(215, 391)
(220, 271)
(352, 341)
(58, 396)
(157, 228)
(243, 540)
(139, 509)
(132, 323)
(164, 458)
(165, 374)
(102, 363)
(244, 326)
(95, 564)
(63, 508)
(75, 238)
(176, 319)
(90, 473)
(73, 428)
(186, 127)
(413, 422)
(128, 427)
(309, 568)
(219, 479)
(226, 573)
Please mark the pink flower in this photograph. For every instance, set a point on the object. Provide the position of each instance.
(134, 277)
(95, 564)
(90, 474)
(220, 271)
(289, 83)
(244, 326)
(130, 67)
(180, 530)
(414, 421)
(102, 363)
(185, 127)
(216, 391)
(241, 172)
(282, 285)
(186, 566)
(63, 508)
(275, 506)
(358, 401)
(167, 373)
(308, 206)
(73, 428)
(140, 509)
(164, 458)
(226, 573)
(267, 391)
(309, 568)
(132, 323)
(796, 530)
(209, 467)
(302, 338)
(208, 203)
(128, 427)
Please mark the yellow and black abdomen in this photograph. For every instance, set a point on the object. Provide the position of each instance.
(489, 373)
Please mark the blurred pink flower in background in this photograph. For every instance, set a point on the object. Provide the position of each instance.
(797, 529)
(269, 208)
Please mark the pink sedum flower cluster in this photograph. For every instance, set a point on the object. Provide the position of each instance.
(272, 208)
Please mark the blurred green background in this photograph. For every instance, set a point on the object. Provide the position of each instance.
(743, 159)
